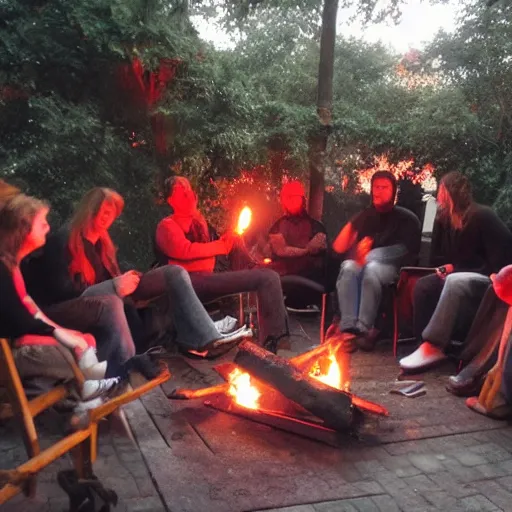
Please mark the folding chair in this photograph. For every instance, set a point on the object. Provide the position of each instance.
(403, 300)
(316, 287)
(82, 442)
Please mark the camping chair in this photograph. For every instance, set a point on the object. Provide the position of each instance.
(403, 302)
(82, 442)
(315, 287)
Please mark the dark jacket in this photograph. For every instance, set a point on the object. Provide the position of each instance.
(483, 245)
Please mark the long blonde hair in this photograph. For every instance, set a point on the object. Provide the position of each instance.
(80, 223)
(17, 213)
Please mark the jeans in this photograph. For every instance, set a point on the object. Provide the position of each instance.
(103, 316)
(194, 328)
(444, 308)
(359, 290)
(265, 282)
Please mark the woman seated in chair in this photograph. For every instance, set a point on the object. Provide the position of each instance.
(184, 239)
(495, 399)
(473, 243)
(42, 347)
(80, 263)
(298, 246)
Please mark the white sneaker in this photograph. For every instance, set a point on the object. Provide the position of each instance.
(425, 355)
(83, 407)
(239, 334)
(226, 325)
(104, 388)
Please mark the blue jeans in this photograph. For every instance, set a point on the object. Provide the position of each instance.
(359, 290)
(107, 320)
(446, 308)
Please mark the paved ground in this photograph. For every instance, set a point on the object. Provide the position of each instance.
(430, 454)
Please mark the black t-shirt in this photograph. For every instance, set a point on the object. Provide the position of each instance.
(397, 227)
(297, 231)
(15, 319)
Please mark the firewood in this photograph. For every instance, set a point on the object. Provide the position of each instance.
(333, 406)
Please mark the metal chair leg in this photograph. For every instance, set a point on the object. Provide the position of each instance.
(322, 317)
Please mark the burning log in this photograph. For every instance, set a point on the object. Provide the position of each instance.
(333, 406)
(188, 394)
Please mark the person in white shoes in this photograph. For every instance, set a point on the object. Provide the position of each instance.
(41, 346)
(470, 242)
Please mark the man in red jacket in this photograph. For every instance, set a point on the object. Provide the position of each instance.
(184, 238)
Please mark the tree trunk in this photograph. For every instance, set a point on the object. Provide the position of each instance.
(318, 142)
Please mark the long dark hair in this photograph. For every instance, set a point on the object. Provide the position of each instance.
(16, 217)
(460, 191)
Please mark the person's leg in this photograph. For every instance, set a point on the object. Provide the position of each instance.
(375, 276)
(194, 328)
(265, 282)
(458, 304)
(104, 317)
(427, 291)
(348, 292)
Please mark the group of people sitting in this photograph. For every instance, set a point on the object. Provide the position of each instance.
(67, 296)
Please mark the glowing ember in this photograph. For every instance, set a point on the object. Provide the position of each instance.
(244, 220)
(267, 261)
(328, 371)
(241, 389)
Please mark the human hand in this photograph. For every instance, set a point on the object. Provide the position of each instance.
(362, 249)
(126, 283)
(230, 238)
(444, 271)
(317, 244)
(70, 339)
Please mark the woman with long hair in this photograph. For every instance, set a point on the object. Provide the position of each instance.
(83, 263)
(42, 347)
(469, 243)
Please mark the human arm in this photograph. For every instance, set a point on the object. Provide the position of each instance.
(279, 247)
(345, 239)
(16, 319)
(171, 241)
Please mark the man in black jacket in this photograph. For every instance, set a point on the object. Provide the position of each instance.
(471, 242)
(379, 240)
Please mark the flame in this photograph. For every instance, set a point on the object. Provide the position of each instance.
(241, 389)
(244, 220)
(267, 261)
(331, 375)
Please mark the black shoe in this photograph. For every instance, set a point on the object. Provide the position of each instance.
(366, 342)
(144, 365)
(468, 382)
(271, 344)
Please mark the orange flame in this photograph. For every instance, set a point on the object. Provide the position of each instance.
(267, 261)
(244, 220)
(242, 391)
(330, 375)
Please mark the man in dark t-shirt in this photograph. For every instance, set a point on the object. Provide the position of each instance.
(376, 242)
(299, 245)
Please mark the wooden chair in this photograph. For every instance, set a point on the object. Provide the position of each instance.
(82, 442)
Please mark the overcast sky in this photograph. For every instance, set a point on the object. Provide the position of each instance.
(420, 22)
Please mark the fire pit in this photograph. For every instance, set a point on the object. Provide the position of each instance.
(307, 395)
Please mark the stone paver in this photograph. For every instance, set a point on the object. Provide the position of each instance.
(431, 454)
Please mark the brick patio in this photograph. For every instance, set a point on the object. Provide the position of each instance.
(432, 453)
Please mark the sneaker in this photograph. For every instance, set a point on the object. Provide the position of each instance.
(144, 365)
(104, 388)
(82, 407)
(424, 356)
(312, 308)
(238, 335)
(226, 325)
